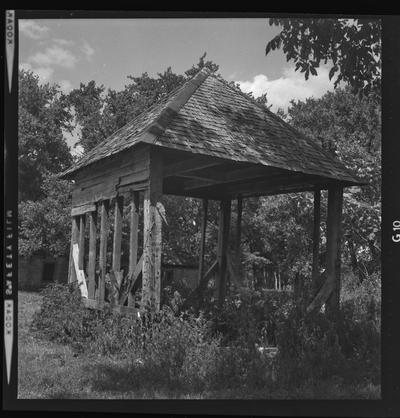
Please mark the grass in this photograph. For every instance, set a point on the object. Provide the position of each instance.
(51, 370)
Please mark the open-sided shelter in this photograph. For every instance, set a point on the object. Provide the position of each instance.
(206, 140)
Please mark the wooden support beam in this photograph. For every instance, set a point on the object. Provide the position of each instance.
(82, 227)
(238, 237)
(133, 239)
(205, 279)
(223, 237)
(116, 257)
(203, 238)
(104, 230)
(232, 271)
(152, 208)
(330, 290)
(316, 239)
(132, 280)
(92, 255)
(74, 240)
(80, 274)
(333, 245)
(80, 210)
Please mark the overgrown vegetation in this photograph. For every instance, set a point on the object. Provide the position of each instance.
(215, 351)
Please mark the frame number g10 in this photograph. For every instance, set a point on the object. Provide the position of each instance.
(396, 227)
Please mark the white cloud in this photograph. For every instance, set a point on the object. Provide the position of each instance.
(292, 85)
(88, 51)
(65, 85)
(25, 66)
(63, 42)
(32, 29)
(54, 55)
(44, 73)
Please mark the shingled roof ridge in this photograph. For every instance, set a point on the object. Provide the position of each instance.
(285, 124)
(170, 102)
(149, 109)
(176, 102)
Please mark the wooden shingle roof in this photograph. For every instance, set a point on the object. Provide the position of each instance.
(207, 116)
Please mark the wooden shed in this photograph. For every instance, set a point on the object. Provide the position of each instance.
(205, 140)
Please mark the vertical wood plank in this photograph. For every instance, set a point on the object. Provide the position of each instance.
(203, 239)
(104, 230)
(238, 238)
(116, 257)
(152, 230)
(74, 240)
(333, 246)
(82, 227)
(316, 240)
(92, 254)
(133, 239)
(223, 238)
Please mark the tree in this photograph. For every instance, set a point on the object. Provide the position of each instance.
(100, 113)
(349, 127)
(42, 117)
(88, 104)
(352, 47)
(44, 225)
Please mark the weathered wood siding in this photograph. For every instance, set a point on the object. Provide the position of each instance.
(107, 179)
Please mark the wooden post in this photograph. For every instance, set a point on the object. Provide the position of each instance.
(104, 226)
(223, 237)
(92, 254)
(203, 239)
(116, 257)
(238, 238)
(316, 239)
(82, 241)
(152, 230)
(74, 240)
(133, 239)
(335, 204)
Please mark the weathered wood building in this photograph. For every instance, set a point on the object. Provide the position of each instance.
(205, 140)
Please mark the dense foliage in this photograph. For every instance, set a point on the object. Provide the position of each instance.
(42, 150)
(44, 226)
(351, 46)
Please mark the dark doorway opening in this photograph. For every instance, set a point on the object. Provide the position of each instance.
(48, 271)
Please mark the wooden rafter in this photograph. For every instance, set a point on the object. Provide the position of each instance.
(226, 177)
(190, 165)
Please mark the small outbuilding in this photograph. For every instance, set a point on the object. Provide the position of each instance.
(36, 271)
(207, 140)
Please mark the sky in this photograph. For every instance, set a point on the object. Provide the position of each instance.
(71, 51)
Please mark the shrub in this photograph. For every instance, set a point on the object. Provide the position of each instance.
(177, 351)
(314, 347)
(308, 349)
(250, 317)
(62, 316)
(181, 349)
